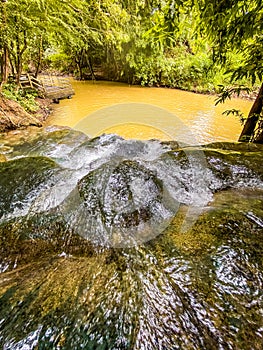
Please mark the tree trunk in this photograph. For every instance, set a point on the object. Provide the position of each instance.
(5, 65)
(253, 117)
(91, 69)
(259, 139)
(259, 136)
(19, 56)
(79, 62)
(79, 69)
(13, 71)
(18, 70)
(40, 55)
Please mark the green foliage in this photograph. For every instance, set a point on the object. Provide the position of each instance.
(177, 68)
(57, 62)
(196, 72)
(198, 45)
(173, 43)
(235, 26)
(236, 113)
(28, 28)
(227, 92)
(26, 98)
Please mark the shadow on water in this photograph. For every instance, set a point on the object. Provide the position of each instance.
(64, 287)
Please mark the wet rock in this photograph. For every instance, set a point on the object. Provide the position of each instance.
(236, 168)
(21, 180)
(2, 158)
(172, 144)
(234, 165)
(236, 146)
(48, 141)
(195, 289)
(71, 276)
(30, 239)
(126, 201)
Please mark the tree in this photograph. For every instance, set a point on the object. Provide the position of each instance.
(3, 44)
(237, 26)
(27, 24)
(96, 33)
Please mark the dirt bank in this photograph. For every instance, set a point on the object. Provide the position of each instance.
(13, 116)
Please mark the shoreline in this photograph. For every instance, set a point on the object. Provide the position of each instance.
(13, 116)
(243, 95)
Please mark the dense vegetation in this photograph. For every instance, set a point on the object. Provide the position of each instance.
(203, 45)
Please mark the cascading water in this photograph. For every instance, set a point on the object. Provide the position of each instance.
(122, 244)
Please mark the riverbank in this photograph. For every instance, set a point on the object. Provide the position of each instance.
(197, 88)
(14, 116)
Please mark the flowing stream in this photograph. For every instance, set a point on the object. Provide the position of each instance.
(121, 244)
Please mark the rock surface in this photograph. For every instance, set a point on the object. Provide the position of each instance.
(69, 204)
(13, 116)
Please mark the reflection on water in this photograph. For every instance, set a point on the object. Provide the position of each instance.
(136, 131)
(197, 111)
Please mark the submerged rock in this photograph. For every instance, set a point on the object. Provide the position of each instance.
(229, 167)
(124, 204)
(71, 276)
(21, 180)
(116, 192)
(182, 290)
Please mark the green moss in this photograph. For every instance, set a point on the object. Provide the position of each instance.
(24, 175)
(2, 158)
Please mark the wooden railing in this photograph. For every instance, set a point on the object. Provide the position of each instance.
(27, 80)
(50, 86)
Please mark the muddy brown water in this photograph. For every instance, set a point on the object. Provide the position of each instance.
(197, 112)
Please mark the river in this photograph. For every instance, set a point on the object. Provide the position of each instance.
(158, 118)
(116, 244)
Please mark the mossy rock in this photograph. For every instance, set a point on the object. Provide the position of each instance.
(125, 199)
(31, 239)
(41, 141)
(236, 146)
(207, 276)
(2, 158)
(21, 180)
(198, 288)
(234, 163)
